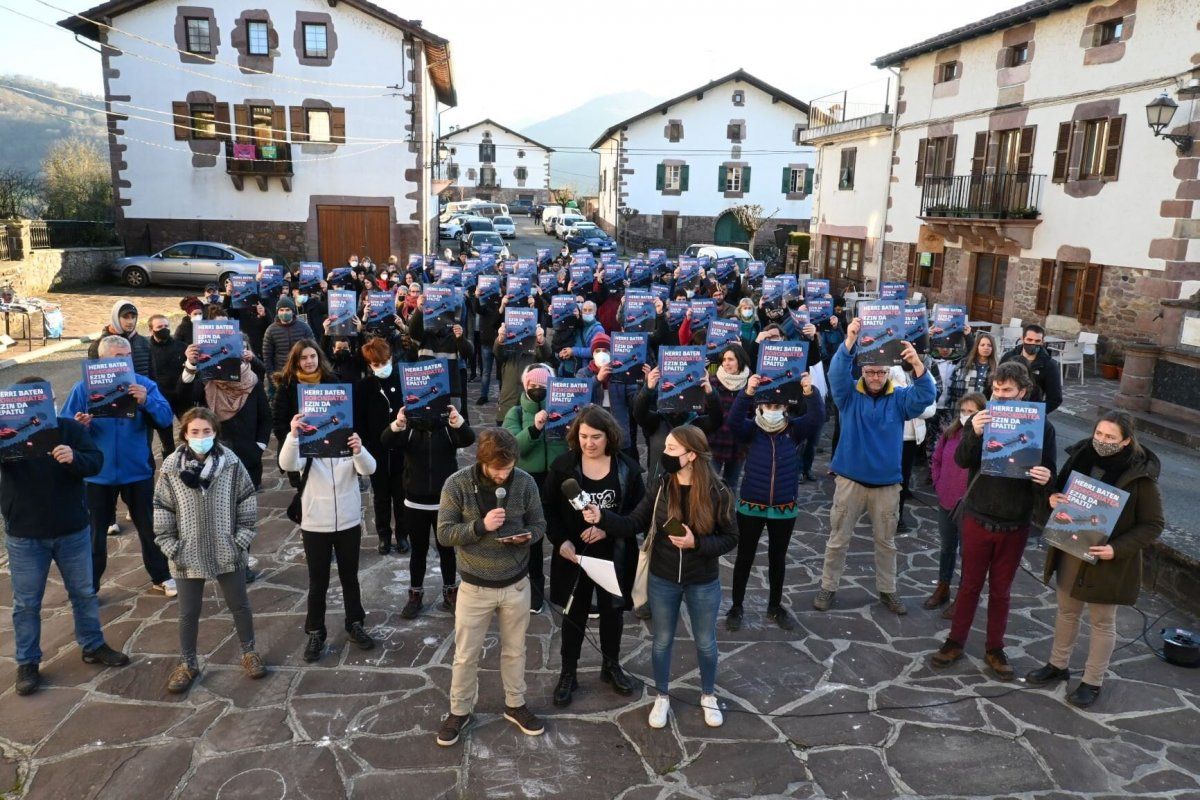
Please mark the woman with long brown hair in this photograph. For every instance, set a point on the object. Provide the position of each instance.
(306, 363)
(974, 372)
(691, 510)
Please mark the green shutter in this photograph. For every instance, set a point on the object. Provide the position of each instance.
(683, 178)
(660, 177)
(808, 180)
(745, 179)
(787, 180)
(720, 179)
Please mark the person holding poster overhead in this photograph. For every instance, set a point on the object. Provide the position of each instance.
(728, 380)
(996, 515)
(656, 424)
(377, 398)
(1111, 456)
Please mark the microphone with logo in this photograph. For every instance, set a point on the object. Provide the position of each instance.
(578, 501)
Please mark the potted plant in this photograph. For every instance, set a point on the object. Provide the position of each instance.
(1111, 364)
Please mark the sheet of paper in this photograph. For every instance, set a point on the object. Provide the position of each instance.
(817, 373)
(602, 573)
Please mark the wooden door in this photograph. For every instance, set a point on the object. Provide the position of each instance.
(987, 287)
(342, 230)
(670, 230)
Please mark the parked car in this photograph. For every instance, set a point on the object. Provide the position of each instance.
(452, 228)
(593, 239)
(520, 207)
(476, 225)
(188, 263)
(549, 215)
(564, 226)
(471, 241)
(505, 227)
(715, 251)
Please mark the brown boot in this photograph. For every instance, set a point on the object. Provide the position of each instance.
(997, 662)
(948, 611)
(947, 654)
(940, 595)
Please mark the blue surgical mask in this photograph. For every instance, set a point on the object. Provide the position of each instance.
(201, 446)
(301, 299)
(383, 372)
(589, 318)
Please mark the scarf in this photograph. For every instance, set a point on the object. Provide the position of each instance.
(735, 382)
(766, 426)
(195, 473)
(1110, 468)
(226, 398)
(311, 378)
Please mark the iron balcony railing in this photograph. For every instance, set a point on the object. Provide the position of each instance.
(1004, 195)
(254, 159)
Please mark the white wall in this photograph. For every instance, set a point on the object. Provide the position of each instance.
(863, 205)
(164, 182)
(610, 189)
(508, 147)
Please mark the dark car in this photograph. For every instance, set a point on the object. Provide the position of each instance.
(594, 240)
(520, 207)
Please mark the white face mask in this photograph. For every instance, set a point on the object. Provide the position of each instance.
(772, 416)
(383, 372)
(963, 416)
(197, 317)
(602, 358)
(353, 263)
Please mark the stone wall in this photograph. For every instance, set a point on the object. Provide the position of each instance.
(265, 238)
(696, 230)
(43, 271)
(506, 195)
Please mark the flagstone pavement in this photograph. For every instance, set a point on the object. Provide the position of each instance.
(845, 706)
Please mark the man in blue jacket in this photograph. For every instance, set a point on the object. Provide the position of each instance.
(574, 357)
(128, 470)
(867, 462)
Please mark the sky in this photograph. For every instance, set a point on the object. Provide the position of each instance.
(521, 63)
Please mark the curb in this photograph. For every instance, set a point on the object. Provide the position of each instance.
(50, 349)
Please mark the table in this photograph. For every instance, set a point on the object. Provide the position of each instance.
(1055, 343)
(26, 317)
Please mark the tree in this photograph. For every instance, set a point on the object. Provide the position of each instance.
(750, 217)
(20, 194)
(78, 181)
(564, 194)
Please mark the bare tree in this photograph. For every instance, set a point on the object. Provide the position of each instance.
(564, 194)
(78, 181)
(751, 218)
(20, 194)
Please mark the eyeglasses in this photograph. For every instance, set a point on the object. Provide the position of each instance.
(875, 373)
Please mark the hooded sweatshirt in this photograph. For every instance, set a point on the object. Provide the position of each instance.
(143, 363)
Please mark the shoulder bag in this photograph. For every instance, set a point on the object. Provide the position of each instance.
(641, 579)
(295, 508)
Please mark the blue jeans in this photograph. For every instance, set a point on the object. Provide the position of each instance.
(731, 472)
(489, 357)
(29, 562)
(703, 602)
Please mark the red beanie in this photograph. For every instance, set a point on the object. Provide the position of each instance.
(601, 342)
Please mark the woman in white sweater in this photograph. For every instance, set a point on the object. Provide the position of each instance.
(914, 435)
(331, 509)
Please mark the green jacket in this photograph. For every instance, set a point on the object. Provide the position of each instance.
(537, 453)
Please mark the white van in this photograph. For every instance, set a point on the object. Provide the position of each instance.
(490, 210)
(458, 207)
(549, 214)
(715, 251)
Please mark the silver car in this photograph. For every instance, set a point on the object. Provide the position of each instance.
(187, 263)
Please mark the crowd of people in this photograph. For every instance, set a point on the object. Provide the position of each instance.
(708, 485)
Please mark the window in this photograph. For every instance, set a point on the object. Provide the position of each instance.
(1018, 54)
(739, 98)
(487, 176)
(733, 179)
(471, 174)
(257, 38)
(316, 40)
(925, 269)
(1078, 290)
(675, 131)
(1069, 283)
(210, 253)
(946, 72)
(935, 157)
(522, 173)
(487, 152)
(179, 251)
(204, 121)
(199, 36)
(796, 179)
(735, 131)
(671, 177)
(843, 260)
(1111, 32)
(260, 124)
(846, 170)
(452, 172)
(520, 154)
(603, 181)
(1091, 162)
(319, 129)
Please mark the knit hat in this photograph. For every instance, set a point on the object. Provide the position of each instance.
(535, 375)
(602, 341)
(286, 302)
(190, 304)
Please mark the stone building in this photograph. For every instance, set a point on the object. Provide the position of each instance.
(299, 131)
(488, 161)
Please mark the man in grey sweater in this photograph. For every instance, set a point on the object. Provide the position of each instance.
(490, 514)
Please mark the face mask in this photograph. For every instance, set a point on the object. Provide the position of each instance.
(602, 358)
(589, 318)
(341, 355)
(162, 334)
(963, 416)
(383, 372)
(201, 446)
(747, 313)
(1030, 349)
(1105, 449)
(353, 263)
(772, 417)
(690, 293)
(301, 299)
(197, 317)
(670, 463)
(537, 393)
(285, 317)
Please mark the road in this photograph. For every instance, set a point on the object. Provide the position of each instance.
(529, 238)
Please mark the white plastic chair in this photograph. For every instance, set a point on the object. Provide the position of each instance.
(1015, 322)
(1071, 356)
(1010, 338)
(1087, 343)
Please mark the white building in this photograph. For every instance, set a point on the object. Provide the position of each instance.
(683, 164)
(300, 129)
(488, 161)
(1025, 180)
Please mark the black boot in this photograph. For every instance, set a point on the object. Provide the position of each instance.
(1047, 674)
(402, 546)
(612, 674)
(28, 679)
(566, 685)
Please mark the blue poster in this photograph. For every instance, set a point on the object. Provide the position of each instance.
(342, 312)
(893, 290)
(725, 270)
(517, 290)
(676, 312)
(780, 365)
(270, 283)
(687, 274)
(442, 304)
(948, 331)
(774, 290)
(629, 353)
(426, 387)
(819, 309)
(657, 257)
(583, 258)
(1012, 440)
(338, 277)
(547, 282)
(582, 277)
(470, 273)
(328, 411)
(381, 309)
(756, 273)
(661, 291)
(881, 337)
(416, 263)
(816, 287)
(703, 311)
(311, 275)
(520, 329)
(681, 379)
(526, 268)
(450, 275)
(640, 314)
(221, 346)
(607, 257)
(797, 319)
(543, 255)
(243, 291)
(564, 398)
(487, 288)
(720, 333)
(107, 382)
(916, 326)
(640, 273)
(614, 276)
(562, 309)
(28, 421)
(1086, 518)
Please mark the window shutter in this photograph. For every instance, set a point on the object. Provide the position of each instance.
(278, 125)
(911, 273)
(337, 125)
(660, 178)
(683, 178)
(787, 180)
(1025, 150)
(720, 179)
(1089, 296)
(808, 180)
(922, 148)
(222, 114)
(1062, 152)
(241, 123)
(951, 151)
(1045, 287)
(183, 120)
(979, 155)
(1112, 148)
(299, 124)
(935, 278)
(745, 179)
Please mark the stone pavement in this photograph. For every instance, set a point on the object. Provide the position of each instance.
(845, 706)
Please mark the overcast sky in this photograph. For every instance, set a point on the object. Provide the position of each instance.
(521, 63)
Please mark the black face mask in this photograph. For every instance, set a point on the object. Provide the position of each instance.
(537, 394)
(341, 355)
(670, 463)
(162, 334)
(1031, 349)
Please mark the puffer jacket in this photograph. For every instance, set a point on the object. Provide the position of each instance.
(772, 470)
(537, 452)
(279, 340)
(915, 428)
(143, 363)
(430, 457)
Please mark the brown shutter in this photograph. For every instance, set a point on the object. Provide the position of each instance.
(935, 280)
(1062, 152)
(222, 114)
(241, 123)
(1045, 287)
(183, 120)
(1025, 150)
(912, 265)
(921, 150)
(979, 155)
(299, 124)
(278, 124)
(947, 165)
(1089, 295)
(337, 125)
(1112, 148)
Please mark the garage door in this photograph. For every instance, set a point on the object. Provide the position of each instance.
(342, 230)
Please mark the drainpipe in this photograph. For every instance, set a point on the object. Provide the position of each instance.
(888, 185)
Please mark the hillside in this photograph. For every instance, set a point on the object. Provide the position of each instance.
(29, 125)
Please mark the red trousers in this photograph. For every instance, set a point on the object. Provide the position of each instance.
(996, 557)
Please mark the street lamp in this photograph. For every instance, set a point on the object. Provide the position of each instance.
(1159, 113)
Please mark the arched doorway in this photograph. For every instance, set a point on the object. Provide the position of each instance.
(729, 232)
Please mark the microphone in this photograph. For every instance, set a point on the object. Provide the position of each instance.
(501, 494)
(574, 494)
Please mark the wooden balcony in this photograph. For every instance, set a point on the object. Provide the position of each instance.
(260, 162)
(997, 211)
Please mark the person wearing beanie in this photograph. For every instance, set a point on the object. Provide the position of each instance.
(123, 323)
(193, 310)
(511, 364)
(598, 369)
(281, 336)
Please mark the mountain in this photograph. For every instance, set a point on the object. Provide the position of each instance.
(578, 128)
(29, 124)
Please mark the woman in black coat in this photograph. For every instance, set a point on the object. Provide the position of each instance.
(377, 398)
(610, 480)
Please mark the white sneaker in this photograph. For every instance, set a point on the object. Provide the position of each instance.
(712, 711)
(114, 529)
(660, 711)
(167, 587)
